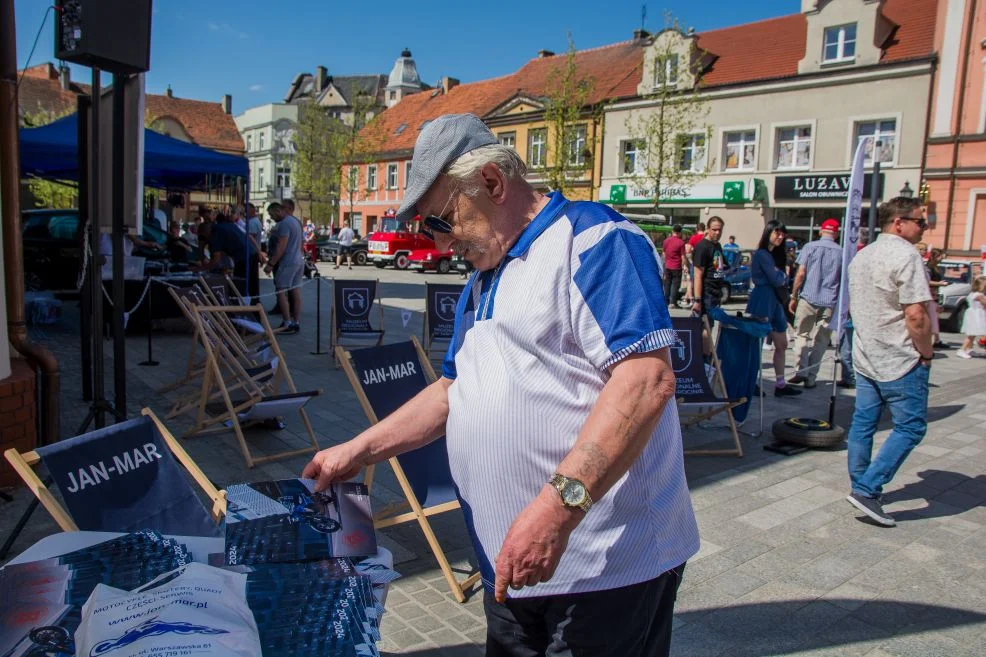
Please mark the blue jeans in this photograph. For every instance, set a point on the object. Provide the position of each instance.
(907, 398)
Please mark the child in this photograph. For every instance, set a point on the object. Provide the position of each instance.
(974, 319)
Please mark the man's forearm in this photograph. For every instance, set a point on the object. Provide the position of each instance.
(799, 280)
(621, 422)
(282, 246)
(697, 284)
(919, 327)
(416, 423)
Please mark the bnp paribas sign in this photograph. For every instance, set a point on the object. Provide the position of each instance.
(812, 187)
(732, 191)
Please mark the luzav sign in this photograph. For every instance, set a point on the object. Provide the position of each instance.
(810, 187)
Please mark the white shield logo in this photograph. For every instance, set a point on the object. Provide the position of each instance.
(445, 303)
(356, 301)
(681, 352)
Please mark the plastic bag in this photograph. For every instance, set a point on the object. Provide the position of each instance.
(195, 610)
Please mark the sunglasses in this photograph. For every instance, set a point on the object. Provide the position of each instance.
(920, 221)
(439, 224)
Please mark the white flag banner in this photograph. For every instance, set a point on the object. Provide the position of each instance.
(850, 236)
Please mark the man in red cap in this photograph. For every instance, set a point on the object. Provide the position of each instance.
(813, 300)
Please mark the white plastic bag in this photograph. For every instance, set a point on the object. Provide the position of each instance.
(195, 610)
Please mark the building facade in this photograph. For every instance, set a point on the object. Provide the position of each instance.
(268, 133)
(955, 168)
(785, 102)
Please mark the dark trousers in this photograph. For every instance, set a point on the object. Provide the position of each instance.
(632, 621)
(672, 286)
(249, 274)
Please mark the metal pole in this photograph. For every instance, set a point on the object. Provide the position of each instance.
(96, 258)
(119, 229)
(83, 105)
(874, 195)
(150, 362)
(318, 318)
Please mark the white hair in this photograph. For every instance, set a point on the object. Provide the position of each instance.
(464, 171)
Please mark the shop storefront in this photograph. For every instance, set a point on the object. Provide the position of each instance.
(803, 202)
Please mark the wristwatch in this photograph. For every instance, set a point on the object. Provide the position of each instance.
(572, 491)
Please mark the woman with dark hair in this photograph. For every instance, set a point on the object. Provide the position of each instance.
(767, 268)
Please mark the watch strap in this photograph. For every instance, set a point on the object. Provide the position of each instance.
(558, 482)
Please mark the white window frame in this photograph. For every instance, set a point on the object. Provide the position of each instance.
(854, 121)
(260, 178)
(841, 57)
(639, 152)
(505, 137)
(407, 173)
(371, 176)
(249, 143)
(260, 140)
(283, 175)
(667, 70)
(725, 132)
(392, 180)
(543, 151)
(690, 137)
(353, 182)
(775, 129)
(581, 134)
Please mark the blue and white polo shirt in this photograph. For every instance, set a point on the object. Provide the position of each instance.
(578, 292)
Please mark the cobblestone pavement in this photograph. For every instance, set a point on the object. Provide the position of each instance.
(786, 566)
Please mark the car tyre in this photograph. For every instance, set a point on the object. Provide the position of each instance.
(444, 266)
(401, 261)
(808, 432)
(379, 265)
(359, 258)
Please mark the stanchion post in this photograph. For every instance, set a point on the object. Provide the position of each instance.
(150, 362)
(318, 318)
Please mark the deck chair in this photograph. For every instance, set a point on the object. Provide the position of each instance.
(440, 302)
(384, 378)
(351, 313)
(264, 389)
(693, 388)
(122, 478)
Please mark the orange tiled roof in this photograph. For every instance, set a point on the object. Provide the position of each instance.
(915, 34)
(205, 122)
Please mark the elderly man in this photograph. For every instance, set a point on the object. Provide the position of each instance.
(892, 352)
(813, 298)
(556, 398)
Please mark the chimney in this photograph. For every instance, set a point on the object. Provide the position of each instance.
(321, 78)
(544, 54)
(447, 83)
(168, 92)
(639, 35)
(64, 77)
(227, 104)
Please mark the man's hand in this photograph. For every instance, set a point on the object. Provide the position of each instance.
(793, 305)
(339, 463)
(535, 542)
(697, 307)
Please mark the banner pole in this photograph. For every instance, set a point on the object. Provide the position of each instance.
(150, 362)
(318, 318)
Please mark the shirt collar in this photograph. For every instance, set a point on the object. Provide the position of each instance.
(539, 224)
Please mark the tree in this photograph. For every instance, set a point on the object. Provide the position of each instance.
(568, 117)
(48, 193)
(358, 141)
(670, 136)
(316, 165)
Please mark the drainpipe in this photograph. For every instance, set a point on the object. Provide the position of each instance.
(13, 248)
(958, 128)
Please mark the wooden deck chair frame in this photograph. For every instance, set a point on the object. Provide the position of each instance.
(23, 465)
(726, 406)
(395, 514)
(335, 334)
(215, 384)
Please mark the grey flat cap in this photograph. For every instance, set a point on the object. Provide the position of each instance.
(440, 144)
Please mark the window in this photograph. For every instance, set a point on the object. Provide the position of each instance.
(283, 176)
(692, 153)
(354, 178)
(400, 128)
(508, 139)
(537, 142)
(793, 148)
(840, 44)
(249, 143)
(885, 132)
(393, 95)
(371, 176)
(260, 177)
(407, 173)
(631, 152)
(739, 151)
(260, 140)
(391, 176)
(666, 71)
(576, 146)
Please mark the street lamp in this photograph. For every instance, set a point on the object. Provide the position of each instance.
(906, 191)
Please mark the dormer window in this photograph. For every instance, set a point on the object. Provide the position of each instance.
(840, 44)
(666, 71)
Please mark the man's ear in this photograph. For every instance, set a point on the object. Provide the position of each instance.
(494, 182)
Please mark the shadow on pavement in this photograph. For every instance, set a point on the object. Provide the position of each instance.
(938, 489)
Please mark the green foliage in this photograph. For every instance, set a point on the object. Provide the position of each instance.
(569, 119)
(316, 166)
(47, 193)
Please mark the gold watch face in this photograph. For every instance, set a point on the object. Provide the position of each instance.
(573, 493)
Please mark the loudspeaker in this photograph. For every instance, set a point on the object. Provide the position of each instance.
(113, 35)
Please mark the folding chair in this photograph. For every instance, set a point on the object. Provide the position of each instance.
(246, 373)
(394, 374)
(693, 389)
(122, 478)
(440, 302)
(353, 303)
(740, 351)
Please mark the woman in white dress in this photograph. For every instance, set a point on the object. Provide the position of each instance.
(974, 318)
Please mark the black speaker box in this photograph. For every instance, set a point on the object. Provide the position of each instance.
(113, 35)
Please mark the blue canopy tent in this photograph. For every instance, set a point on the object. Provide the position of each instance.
(51, 152)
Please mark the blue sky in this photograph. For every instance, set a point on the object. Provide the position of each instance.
(252, 49)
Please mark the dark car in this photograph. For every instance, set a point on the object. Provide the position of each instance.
(328, 249)
(461, 265)
(739, 278)
(53, 248)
